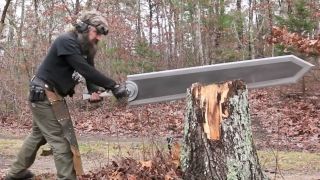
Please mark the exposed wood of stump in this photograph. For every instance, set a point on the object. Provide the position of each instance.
(218, 140)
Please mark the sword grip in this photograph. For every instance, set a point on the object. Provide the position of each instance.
(103, 94)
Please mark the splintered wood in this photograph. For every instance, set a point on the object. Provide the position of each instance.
(212, 99)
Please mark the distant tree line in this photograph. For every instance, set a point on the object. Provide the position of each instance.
(149, 35)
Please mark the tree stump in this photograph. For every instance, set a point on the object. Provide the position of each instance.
(218, 140)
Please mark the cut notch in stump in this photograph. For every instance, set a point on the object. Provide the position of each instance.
(212, 99)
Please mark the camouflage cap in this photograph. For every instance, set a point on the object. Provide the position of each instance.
(96, 19)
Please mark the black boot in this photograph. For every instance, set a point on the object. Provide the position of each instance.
(26, 175)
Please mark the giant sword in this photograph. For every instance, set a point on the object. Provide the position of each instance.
(172, 84)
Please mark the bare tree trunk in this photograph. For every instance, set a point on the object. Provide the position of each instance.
(158, 22)
(261, 25)
(23, 55)
(20, 33)
(198, 35)
(250, 31)
(11, 14)
(289, 2)
(270, 23)
(160, 30)
(239, 24)
(77, 7)
(35, 38)
(167, 30)
(217, 29)
(211, 35)
(270, 15)
(218, 140)
(170, 36)
(139, 36)
(176, 32)
(11, 38)
(36, 30)
(151, 5)
(88, 4)
(3, 16)
(51, 23)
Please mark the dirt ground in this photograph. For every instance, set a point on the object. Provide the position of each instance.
(94, 157)
(283, 121)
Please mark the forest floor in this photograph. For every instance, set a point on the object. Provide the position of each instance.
(285, 123)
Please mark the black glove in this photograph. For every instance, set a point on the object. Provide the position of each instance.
(120, 91)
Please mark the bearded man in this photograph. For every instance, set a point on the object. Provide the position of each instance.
(71, 52)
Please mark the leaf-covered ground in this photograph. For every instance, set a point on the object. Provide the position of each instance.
(282, 118)
(289, 121)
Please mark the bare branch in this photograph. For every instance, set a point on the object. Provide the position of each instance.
(66, 6)
(3, 16)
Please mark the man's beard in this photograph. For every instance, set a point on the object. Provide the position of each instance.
(88, 48)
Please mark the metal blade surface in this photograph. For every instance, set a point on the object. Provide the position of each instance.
(172, 84)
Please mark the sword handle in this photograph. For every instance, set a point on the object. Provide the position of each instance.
(103, 94)
(131, 87)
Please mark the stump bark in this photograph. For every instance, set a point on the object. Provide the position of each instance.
(218, 140)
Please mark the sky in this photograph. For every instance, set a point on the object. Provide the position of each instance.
(2, 3)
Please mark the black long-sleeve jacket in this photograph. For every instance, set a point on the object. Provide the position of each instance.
(65, 57)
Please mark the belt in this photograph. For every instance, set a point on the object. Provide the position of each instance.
(39, 82)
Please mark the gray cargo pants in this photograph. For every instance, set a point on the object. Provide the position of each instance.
(45, 128)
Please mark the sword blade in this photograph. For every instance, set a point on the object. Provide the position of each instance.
(172, 84)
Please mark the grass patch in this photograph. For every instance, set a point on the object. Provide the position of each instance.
(287, 161)
(10, 147)
(136, 150)
(290, 161)
(105, 149)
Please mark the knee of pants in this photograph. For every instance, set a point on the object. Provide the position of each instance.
(61, 148)
(63, 157)
(33, 142)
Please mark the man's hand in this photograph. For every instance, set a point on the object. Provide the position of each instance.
(95, 97)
